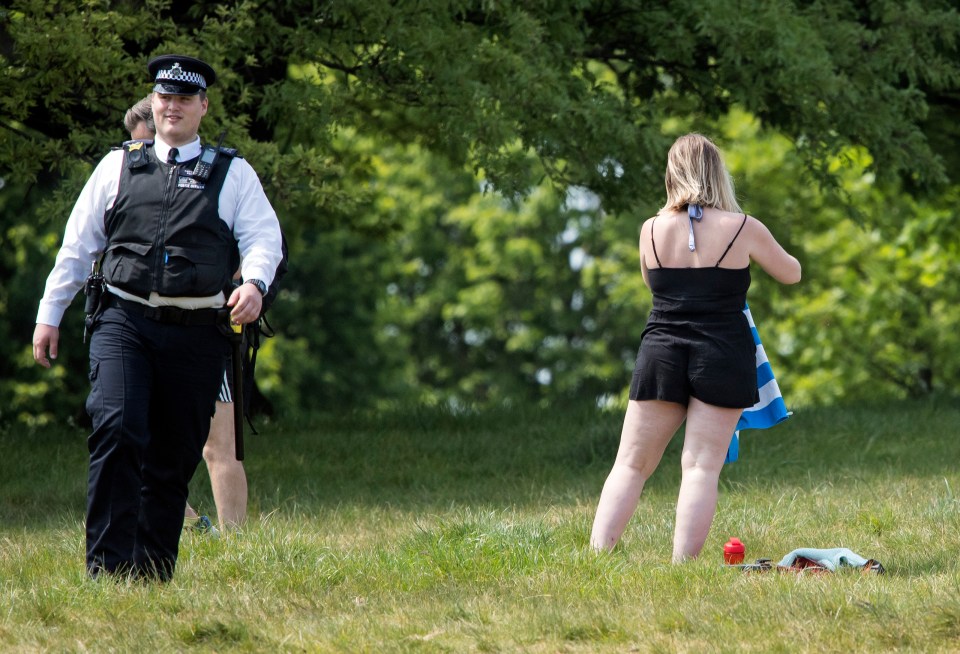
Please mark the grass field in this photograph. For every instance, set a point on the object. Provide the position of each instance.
(427, 532)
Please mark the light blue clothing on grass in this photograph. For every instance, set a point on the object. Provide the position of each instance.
(830, 559)
(770, 410)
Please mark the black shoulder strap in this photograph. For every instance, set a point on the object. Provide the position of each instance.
(654, 243)
(730, 245)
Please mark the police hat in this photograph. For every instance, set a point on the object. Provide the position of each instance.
(180, 75)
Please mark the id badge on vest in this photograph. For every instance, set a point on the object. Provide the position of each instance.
(185, 181)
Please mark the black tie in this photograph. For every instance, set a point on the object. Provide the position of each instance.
(172, 157)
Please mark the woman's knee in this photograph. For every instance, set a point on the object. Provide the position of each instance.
(706, 463)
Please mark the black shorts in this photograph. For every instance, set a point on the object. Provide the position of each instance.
(710, 358)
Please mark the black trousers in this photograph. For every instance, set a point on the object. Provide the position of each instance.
(152, 392)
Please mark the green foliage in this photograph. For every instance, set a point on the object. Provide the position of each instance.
(437, 167)
(876, 319)
(873, 314)
(491, 300)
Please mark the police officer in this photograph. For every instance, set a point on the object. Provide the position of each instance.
(165, 227)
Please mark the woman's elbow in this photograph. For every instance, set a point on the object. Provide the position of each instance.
(793, 275)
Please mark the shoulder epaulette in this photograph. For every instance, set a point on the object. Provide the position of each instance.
(230, 152)
(123, 146)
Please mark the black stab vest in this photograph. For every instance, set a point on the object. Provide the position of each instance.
(164, 231)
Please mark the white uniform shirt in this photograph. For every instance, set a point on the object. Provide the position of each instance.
(243, 207)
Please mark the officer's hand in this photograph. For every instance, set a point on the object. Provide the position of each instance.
(246, 302)
(44, 337)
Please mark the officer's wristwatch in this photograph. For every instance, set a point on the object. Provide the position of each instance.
(259, 284)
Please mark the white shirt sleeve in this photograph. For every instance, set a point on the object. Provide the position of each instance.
(244, 207)
(83, 240)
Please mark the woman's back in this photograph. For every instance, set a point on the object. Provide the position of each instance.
(701, 292)
(721, 238)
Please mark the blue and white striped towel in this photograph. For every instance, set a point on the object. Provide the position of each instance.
(770, 410)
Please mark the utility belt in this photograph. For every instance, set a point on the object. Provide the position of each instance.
(171, 315)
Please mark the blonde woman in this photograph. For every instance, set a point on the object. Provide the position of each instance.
(697, 357)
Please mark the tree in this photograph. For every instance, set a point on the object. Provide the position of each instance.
(583, 87)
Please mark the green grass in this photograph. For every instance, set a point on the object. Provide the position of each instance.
(428, 532)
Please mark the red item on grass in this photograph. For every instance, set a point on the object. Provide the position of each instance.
(733, 552)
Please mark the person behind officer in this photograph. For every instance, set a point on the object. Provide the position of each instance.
(166, 233)
(228, 479)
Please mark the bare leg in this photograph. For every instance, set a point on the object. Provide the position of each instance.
(189, 513)
(227, 477)
(647, 429)
(707, 437)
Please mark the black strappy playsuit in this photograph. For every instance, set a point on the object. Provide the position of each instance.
(697, 341)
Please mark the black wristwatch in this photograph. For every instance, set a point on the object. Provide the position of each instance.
(259, 284)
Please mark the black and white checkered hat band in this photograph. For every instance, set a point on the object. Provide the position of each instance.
(179, 76)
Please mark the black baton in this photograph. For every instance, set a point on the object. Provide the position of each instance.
(237, 342)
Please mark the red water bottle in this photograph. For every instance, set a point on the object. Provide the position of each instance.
(733, 552)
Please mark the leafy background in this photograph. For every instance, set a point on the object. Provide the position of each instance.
(462, 183)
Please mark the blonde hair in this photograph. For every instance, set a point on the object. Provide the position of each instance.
(696, 174)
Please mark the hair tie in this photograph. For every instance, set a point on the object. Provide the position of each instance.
(695, 212)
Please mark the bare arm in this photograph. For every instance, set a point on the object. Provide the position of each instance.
(770, 255)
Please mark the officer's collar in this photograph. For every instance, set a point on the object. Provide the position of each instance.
(185, 152)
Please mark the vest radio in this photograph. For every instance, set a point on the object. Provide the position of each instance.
(208, 158)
